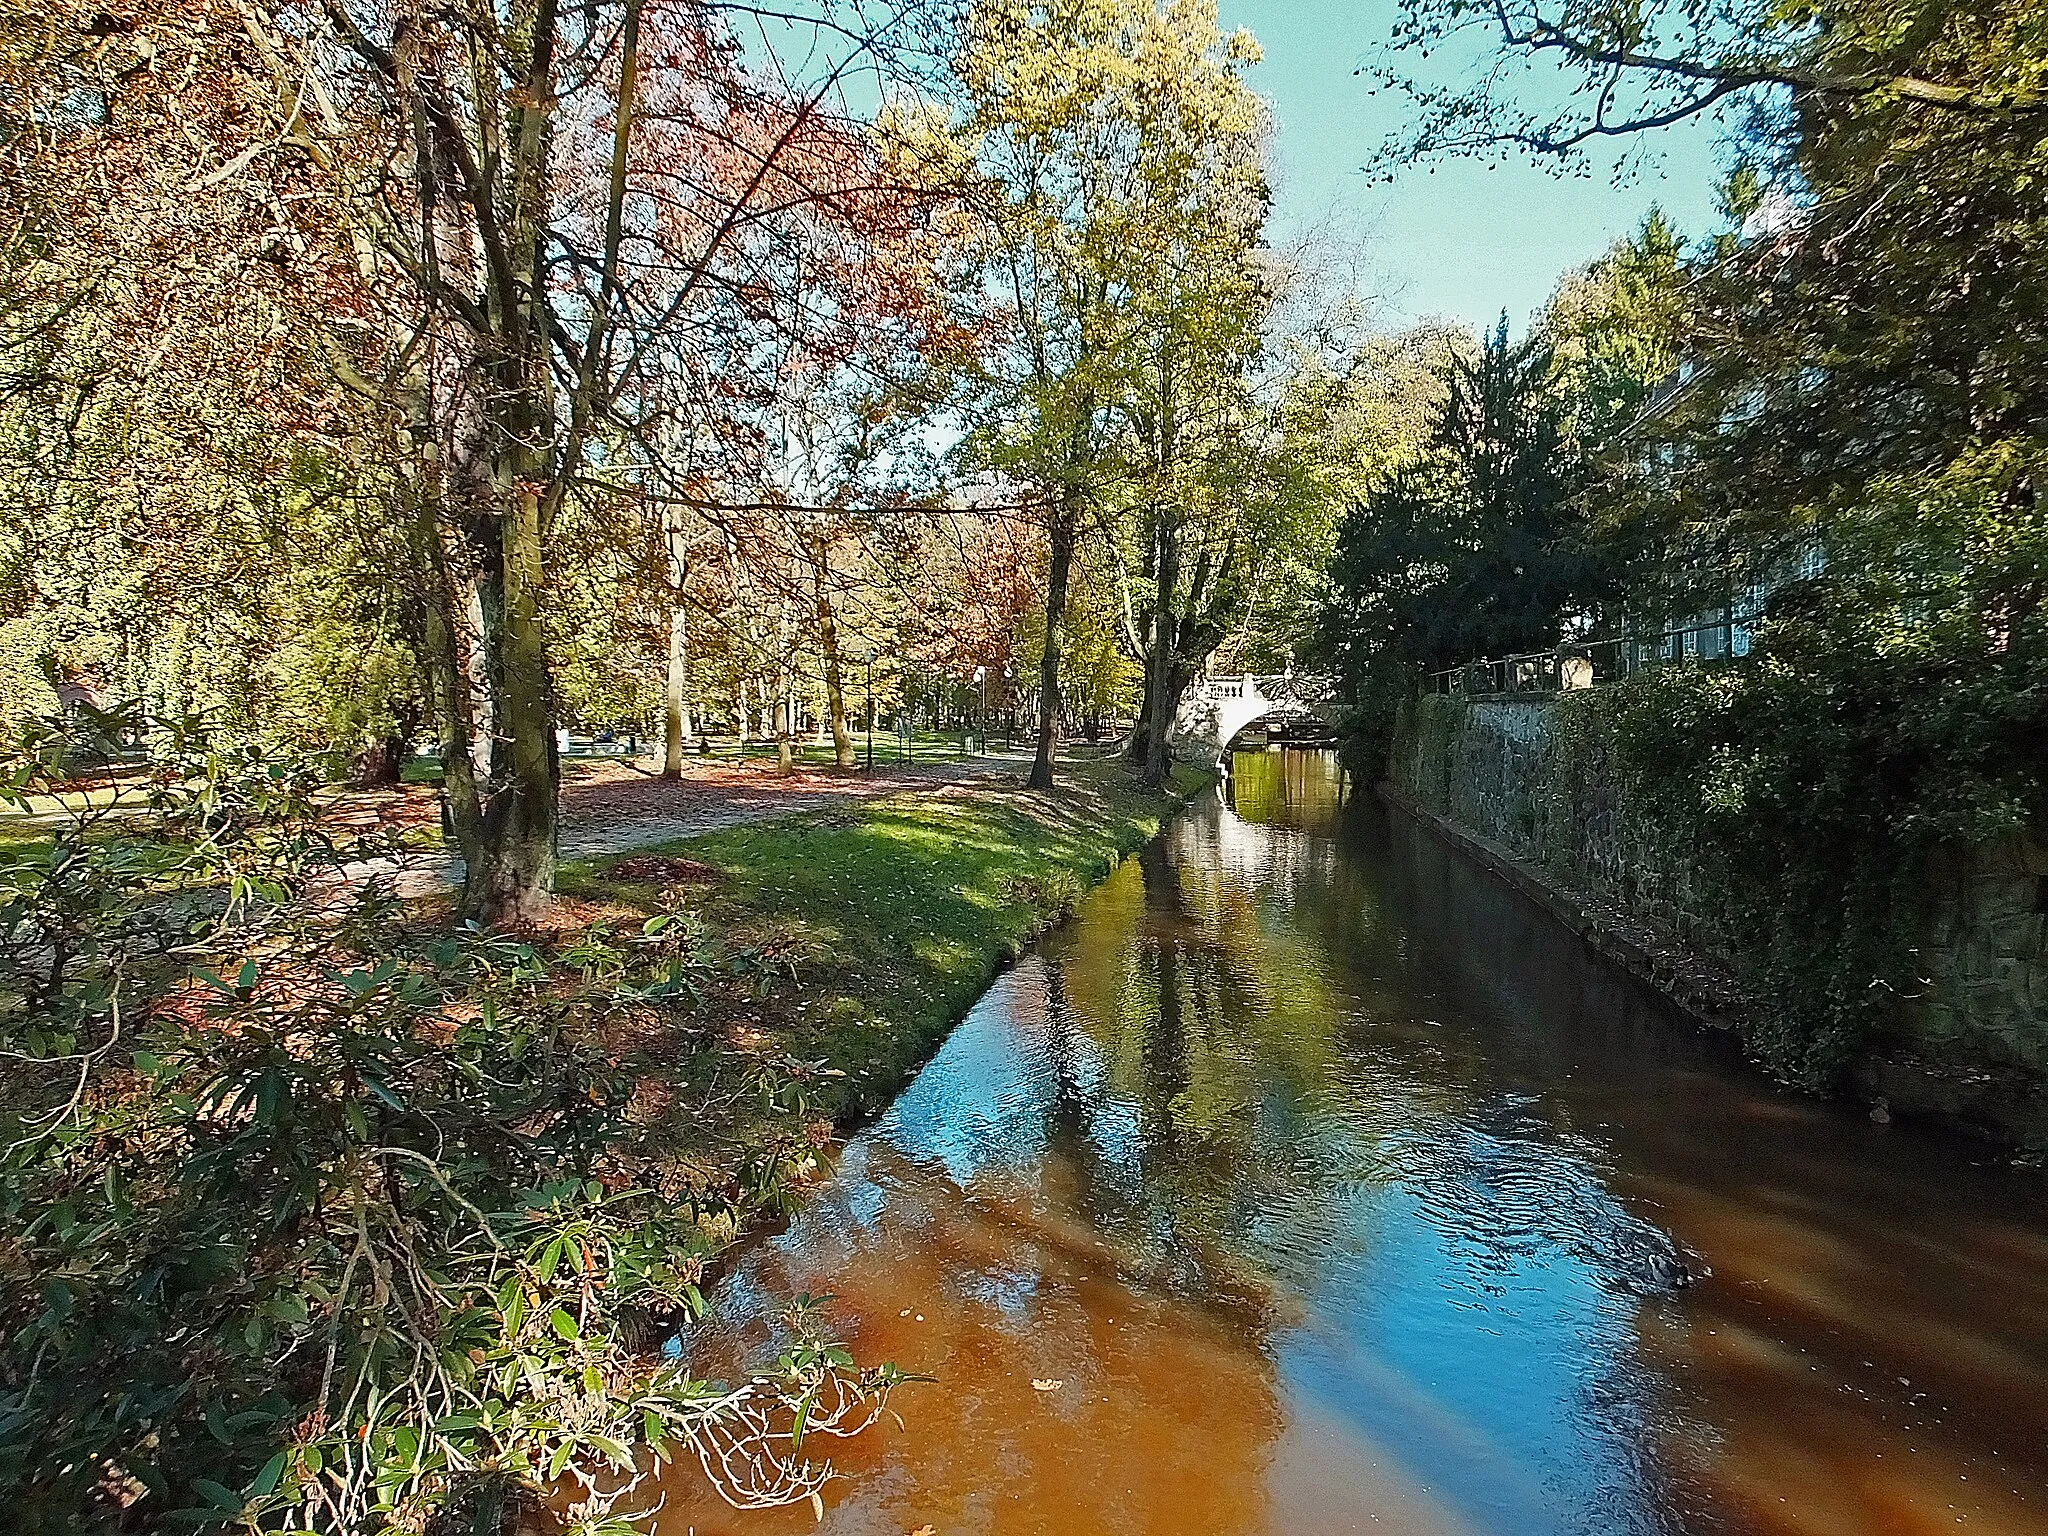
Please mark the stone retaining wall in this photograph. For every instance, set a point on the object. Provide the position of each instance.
(1970, 1044)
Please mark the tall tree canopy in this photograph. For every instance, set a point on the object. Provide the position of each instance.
(1122, 194)
(1477, 546)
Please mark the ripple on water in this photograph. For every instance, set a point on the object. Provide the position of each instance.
(1340, 1191)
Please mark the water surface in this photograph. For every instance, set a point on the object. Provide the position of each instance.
(1340, 1190)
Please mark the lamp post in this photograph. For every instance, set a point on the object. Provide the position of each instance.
(981, 719)
(871, 708)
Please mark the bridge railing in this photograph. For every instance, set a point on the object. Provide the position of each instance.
(1593, 661)
(1271, 685)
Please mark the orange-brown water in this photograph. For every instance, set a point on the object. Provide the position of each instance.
(1338, 1190)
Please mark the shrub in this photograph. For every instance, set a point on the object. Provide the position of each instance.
(315, 1221)
(1809, 785)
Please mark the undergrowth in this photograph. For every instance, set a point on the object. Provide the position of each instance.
(316, 1220)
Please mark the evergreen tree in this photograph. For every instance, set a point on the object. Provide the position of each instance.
(1478, 547)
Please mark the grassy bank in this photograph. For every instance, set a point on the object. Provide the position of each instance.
(871, 931)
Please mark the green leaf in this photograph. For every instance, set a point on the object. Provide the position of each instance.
(550, 1257)
(216, 1495)
(565, 1326)
(796, 1429)
(268, 1479)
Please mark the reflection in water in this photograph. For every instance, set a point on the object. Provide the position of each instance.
(1338, 1190)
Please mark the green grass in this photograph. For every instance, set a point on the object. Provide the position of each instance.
(891, 751)
(22, 834)
(896, 915)
(27, 829)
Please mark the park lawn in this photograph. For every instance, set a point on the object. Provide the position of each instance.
(886, 921)
(890, 751)
(22, 834)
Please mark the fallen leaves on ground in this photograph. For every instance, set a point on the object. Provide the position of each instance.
(665, 868)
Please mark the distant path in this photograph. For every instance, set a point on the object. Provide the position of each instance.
(615, 807)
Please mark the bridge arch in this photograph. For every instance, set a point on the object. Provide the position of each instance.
(1215, 709)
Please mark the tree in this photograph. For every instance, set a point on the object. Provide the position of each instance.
(1119, 150)
(1475, 548)
(185, 523)
(1049, 131)
(1867, 312)
(1646, 64)
(1617, 328)
(542, 206)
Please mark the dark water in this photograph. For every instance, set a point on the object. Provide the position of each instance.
(1340, 1190)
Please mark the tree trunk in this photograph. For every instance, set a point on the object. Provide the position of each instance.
(835, 686)
(1159, 664)
(1141, 727)
(449, 674)
(785, 745)
(1063, 529)
(514, 879)
(379, 765)
(675, 726)
(480, 685)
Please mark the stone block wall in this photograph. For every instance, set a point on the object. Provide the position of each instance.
(1984, 961)
(1496, 767)
(1502, 769)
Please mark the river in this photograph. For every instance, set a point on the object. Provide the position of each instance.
(1312, 1181)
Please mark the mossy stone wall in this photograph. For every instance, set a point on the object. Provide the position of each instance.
(1538, 777)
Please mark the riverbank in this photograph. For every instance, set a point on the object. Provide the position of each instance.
(1705, 991)
(854, 938)
(1533, 789)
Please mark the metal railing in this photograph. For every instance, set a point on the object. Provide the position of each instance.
(1584, 663)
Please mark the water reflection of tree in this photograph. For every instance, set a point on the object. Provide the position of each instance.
(1304, 790)
(1196, 1041)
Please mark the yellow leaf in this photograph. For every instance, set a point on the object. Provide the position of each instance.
(1045, 1384)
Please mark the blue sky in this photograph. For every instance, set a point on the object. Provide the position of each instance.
(1465, 241)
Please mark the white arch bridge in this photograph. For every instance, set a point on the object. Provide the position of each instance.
(1215, 709)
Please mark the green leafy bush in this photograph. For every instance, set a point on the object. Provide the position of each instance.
(317, 1221)
(1894, 705)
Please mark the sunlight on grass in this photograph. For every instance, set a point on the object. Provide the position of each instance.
(902, 911)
